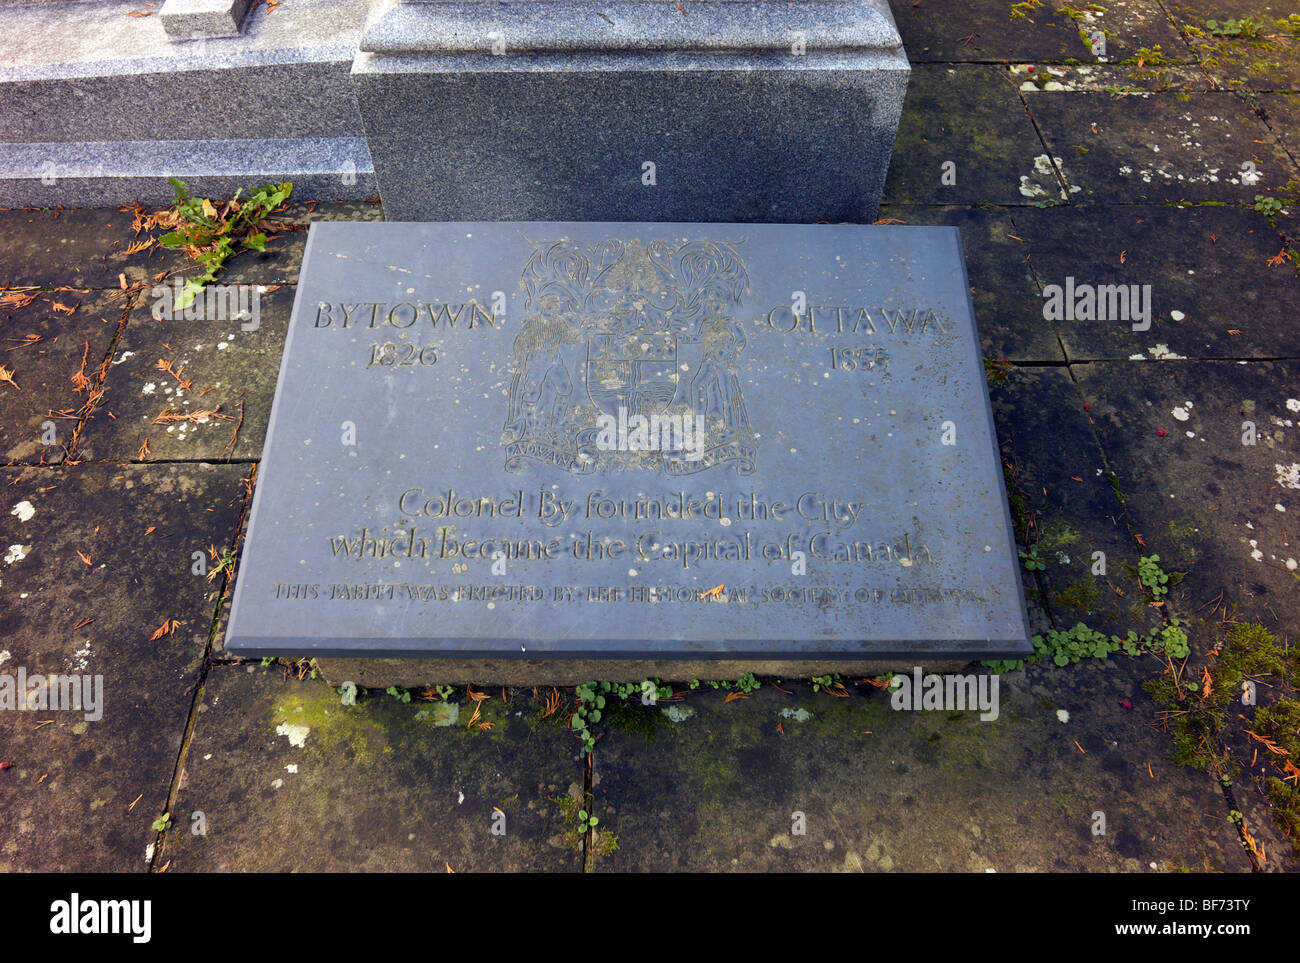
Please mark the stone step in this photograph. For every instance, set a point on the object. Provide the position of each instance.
(90, 72)
(120, 172)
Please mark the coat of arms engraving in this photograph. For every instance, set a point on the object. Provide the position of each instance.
(628, 359)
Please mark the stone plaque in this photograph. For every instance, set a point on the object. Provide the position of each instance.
(630, 440)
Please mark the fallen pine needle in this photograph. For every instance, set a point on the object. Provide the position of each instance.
(167, 628)
(137, 799)
(1079, 747)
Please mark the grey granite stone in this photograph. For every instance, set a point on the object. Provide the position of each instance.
(84, 82)
(191, 19)
(474, 26)
(767, 137)
(560, 110)
(71, 77)
(435, 480)
(121, 172)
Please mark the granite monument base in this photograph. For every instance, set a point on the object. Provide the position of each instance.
(632, 110)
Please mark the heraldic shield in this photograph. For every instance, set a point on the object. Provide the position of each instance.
(628, 359)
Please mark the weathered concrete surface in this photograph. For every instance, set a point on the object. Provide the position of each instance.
(410, 673)
(1209, 505)
(1263, 56)
(98, 560)
(1217, 510)
(1128, 29)
(1203, 272)
(46, 338)
(909, 791)
(983, 31)
(1149, 149)
(1008, 305)
(230, 364)
(1282, 113)
(1064, 504)
(972, 117)
(80, 247)
(290, 780)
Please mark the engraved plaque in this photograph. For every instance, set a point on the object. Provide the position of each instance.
(630, 440)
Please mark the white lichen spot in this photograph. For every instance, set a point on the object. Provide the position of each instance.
(678, 713)
(123, 357)
(1062, 715)
(1293, 404)
(24, 511)
(1288, 476)
(1161, 352)
(16, 553)
(292, 768)
(297, 735)
(149, 388)
(1180, 414)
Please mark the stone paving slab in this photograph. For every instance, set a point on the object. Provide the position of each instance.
(971, 116)
(1209, 505)
(289, 779)
(1264, 57)
(1064, 504)
(1109, 78)
(228, 361)
(983, 31)
(1008, 305)
(909, 791)
(80, 247)
(1283, 117)
(86, 247)
(66, 805)
(1128, 28)
(42, 390)
(1157, 148)
(1212, 290)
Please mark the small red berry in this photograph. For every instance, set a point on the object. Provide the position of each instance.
(1031, 70)
(6, 765)
(1126, 704)
(1087, 407)
(1161, 432)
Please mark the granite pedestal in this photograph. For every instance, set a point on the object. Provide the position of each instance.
(631, 110)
